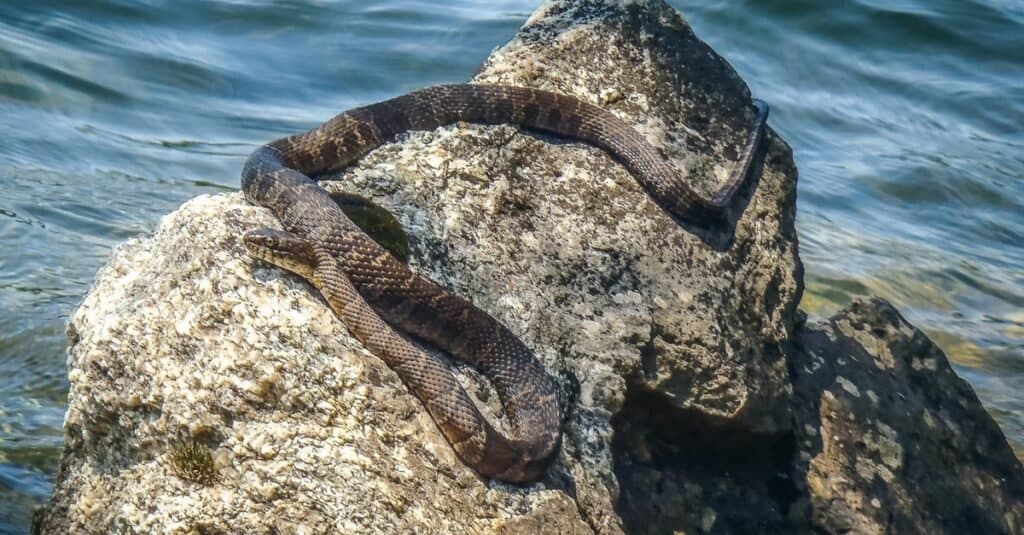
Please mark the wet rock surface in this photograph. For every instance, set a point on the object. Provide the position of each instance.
(674, 346)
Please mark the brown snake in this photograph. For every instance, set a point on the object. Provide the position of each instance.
(352, 271)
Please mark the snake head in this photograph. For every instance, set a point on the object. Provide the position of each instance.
(282, 249)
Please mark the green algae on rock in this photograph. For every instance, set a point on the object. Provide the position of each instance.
(193, 460)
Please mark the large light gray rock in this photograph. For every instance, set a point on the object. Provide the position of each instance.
(211, 393)
(183, 337)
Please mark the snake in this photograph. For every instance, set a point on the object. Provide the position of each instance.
(385, 304)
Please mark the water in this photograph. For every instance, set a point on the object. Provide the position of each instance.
(905, 117)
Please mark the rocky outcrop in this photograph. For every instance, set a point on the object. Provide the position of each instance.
(212, 393)
(886, 439)
(889, 439)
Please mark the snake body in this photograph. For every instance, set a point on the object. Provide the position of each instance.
(370, 290)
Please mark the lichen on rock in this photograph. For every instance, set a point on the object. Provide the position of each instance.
(888, 438)
(885, 439)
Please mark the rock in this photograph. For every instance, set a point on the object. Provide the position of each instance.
(212, 393)
(889, 439)
(527, 225)
(886, 439)
(184, 338)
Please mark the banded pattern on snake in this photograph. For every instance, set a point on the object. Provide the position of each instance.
(370, 290)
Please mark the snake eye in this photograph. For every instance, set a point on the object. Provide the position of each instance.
(283, 249)
(260, 242)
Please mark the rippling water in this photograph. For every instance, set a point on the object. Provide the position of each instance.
(905, 116)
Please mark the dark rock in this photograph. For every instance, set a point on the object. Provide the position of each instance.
(889, 439)
(681, 471)
(886, 439)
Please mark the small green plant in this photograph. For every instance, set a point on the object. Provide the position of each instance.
(193, 461)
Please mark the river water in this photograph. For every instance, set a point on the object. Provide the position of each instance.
(905, 117)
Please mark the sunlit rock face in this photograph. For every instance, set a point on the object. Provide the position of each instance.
(889, 439)
(672, 345)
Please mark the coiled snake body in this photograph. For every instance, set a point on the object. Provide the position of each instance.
(352, 271)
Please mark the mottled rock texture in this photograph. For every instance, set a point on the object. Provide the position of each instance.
(886, 439)
(669, 343)
(889, 439)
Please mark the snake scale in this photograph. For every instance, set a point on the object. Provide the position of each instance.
(370, 290)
